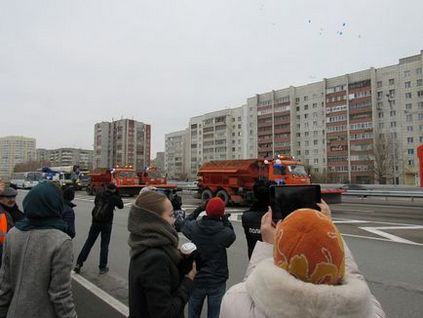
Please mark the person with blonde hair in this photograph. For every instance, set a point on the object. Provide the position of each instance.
(157, 287)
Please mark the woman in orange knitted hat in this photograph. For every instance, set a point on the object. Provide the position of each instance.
(302, 268)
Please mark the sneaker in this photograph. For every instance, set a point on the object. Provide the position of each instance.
(77, 268)
(103, 270)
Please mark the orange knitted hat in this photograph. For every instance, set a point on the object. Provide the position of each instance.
(309, 246)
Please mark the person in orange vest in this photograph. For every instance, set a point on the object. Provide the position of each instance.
(6, 220)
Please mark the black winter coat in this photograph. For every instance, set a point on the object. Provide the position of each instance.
(68, 216)
(112, 200)
(212, 236)
(251, 221)
(156, 289)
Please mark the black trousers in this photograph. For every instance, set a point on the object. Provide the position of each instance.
(96, 228)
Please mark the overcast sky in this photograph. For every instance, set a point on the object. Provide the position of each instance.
(65, 65)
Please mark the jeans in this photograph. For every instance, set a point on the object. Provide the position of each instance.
(214, 299)
(96, 228)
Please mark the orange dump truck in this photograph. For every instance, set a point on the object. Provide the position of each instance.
(126, 180)
(420, 156)
(233, 180)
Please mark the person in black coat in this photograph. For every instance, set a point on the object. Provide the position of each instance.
(102, 219)
(212, 235)
(157, 288)
(68, 214)
(251, 219)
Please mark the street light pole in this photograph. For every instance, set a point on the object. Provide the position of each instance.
(390, 100)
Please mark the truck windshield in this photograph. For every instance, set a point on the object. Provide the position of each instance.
(279, 170)
(127, 174)
(297, 170)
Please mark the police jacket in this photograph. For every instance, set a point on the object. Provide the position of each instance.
(251, 221)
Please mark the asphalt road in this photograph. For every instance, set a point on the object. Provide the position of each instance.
(386, 238)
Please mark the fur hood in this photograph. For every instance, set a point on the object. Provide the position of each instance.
(279, 294)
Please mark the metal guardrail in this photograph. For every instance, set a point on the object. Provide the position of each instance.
(395, 194)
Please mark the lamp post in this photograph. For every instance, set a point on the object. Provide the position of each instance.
(390, 100)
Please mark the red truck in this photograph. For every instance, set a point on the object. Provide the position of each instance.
(420, 155)
(233, 180)
(126, 180)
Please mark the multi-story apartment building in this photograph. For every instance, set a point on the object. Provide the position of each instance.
(362, 127)
(176, 155)
(216, 136)
(67, 157)
(122, 142)
(13, 150)
(159, 161)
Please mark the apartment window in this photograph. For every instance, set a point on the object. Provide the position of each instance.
(305, 98)
(409, 128)
(379, 95)
(314, 105)
(411, 162)
(393, 113)
(420, 105)
(408, 106)
(316, 161)
(419, 71)
(410, 151)
(421, 127)
(315, 142)
(407, 95)
(409, 118)
(297, 100)
(305, 107)
(419, 82)
(298, 108)
(407, 84)
(379, 84)
(391, 81)
(307, 143)
(406, 73)
(410, 140)
(420, 94)
(381, 125)
(420, 116)
(393, 124)
(305, 115)
(421, 138)
(380, 115)
(392, 93)
(299, 144)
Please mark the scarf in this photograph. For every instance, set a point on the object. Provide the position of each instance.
(43, 208)
(149, 230)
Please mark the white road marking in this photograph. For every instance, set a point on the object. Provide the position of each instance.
(394, 238)
(349, 221)
(107, 298)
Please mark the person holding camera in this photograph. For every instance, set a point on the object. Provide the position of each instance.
(212, 234)
(251, 219)
(102, 220)
(303, 268)
(158, 286)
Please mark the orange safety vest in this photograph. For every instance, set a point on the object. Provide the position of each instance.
(3, 227)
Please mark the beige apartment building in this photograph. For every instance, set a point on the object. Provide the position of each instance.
(13, 150)
(67, 157)
(122, 142)
(362, 127)
(216, 136)
(176, 155)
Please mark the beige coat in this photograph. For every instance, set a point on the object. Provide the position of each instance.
(269, 291)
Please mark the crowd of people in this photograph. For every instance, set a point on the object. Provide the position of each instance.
(298, 267)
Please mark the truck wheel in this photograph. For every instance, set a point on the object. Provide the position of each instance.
(224, 196)
(206, 195)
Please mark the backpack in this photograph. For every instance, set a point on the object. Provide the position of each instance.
(100, 210)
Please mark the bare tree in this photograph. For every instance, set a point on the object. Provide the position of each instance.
(383, 157)
(31, 165)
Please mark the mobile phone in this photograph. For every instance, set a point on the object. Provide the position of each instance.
(285, 199)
